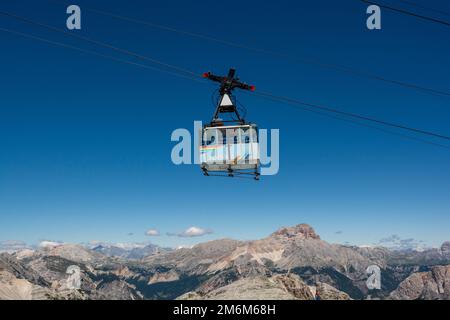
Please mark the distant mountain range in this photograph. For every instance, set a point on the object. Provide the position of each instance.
(291, 263)
(129, 251)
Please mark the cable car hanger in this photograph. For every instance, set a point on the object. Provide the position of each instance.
(226, 104)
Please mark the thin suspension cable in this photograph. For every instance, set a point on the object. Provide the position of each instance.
(64, 45)
(424, 7)
(100, 43)
(353, 115)
(313, 61)
(409, 13)
(263, 94)
(328, 115)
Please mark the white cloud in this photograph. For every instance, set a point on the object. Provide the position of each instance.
(49, 244)
(194, 232)
(152, 233)
(184, 246)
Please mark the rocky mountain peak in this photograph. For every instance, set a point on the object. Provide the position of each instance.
(73, 252)
(300, 231)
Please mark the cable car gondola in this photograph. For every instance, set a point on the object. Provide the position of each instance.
(230, 146)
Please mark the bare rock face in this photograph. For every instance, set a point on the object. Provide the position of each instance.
(236, 272)
(123, 272)
(164, 277)
(295, 286)
(279, 287)
(12, 288)
(19, 270)
(300, 231)
(431, 285)
(326, 292)
(116, 290)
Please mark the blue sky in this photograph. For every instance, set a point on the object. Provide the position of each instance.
(85, 141)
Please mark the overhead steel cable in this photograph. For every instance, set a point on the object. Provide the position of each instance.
(285, 100)
(409, 13)
(100, 43)
(328, 115)
(67, 46)
(353, 115)
(424, 7)
(294, 59)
